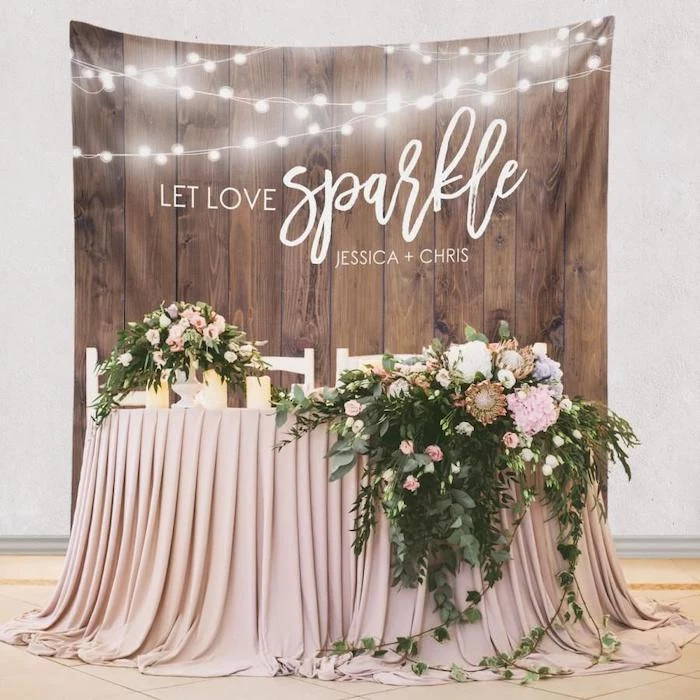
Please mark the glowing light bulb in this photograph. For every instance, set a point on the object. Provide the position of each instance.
(425, 102)
(130, 70)
(282, 141)
(77, 151)
(555, 51)
(262, 106)
(108, 85)
(503, 59)
(393, 102)
(239, 59)
(313, 128)
(580, 36)
(563, 34)
(389, 49)
(214, 155)
(105, 76)
(144, 151)
(320, 100)
(359, 107)
(161, 159)
(414, 47)
(381, 122)
(561, 85)
(451, 89)
(192, 57)
(149, 80)
(177, 149)
(301, 112)
(479, 59)
(523, 85)
(209, 66)
(106, 156)
(597, 21)
(602, 40)
(463, 50)
(87, 73)
(480, 79)
(226, 92)
(535, 53)
(171, 71)
(249, 142)
(186, 92)
(593, 62)
(427, 59)
(346, 129)
(488, 98)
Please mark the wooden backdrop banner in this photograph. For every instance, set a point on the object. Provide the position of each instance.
(368, 197)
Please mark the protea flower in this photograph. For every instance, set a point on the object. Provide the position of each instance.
(485, 401)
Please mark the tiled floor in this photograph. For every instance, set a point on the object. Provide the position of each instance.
(27, 677)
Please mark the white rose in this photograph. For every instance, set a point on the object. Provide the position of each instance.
(443, 378)
(566, 404)
(577, 434)
(552, 461)
(247, 349)
(398, 387)
(357, 426)
(558, 440)
(547, 470)
(506, 377)
(230, 356)
(153, 336)
(464, 428)
(125, 359)
(164, 321)
(527, 454)
(470, 358)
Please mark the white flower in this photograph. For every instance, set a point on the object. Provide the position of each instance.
(577, 434)
(398, 387)
(547, 470)
(566, 404)
(464, 428)
(429, 468)
(164, 321)
(158, 357)
(153, 336)
(470, 358)
(552, 461)
(512, 360)
(230, 356)
(506, 377)
(246, 349)
(443, 378)
(417, 368)
(455, 468)
(357, 426)
(125, 359)
(558, 440)
(388, 475)
(527, 454)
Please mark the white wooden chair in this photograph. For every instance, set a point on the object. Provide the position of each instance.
(133, 399)
(303, 366)
(344, 360)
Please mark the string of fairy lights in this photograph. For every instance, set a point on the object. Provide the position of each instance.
(378, 111)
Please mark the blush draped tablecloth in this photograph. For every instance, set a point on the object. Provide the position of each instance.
(198, 549)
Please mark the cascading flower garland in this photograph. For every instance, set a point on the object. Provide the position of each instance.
(174, 338)
(451, 438)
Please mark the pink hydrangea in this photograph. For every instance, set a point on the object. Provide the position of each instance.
(533, 409)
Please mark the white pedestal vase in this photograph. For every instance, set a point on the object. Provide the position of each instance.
(187, 387)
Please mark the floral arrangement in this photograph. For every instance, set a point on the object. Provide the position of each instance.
(451, 438)
(172, 339)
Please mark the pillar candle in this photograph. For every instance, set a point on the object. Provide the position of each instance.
(214, 391)
(539, 348)
(258, 392)
(158, 395)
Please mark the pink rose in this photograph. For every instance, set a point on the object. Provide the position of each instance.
(176, 344)
(198, 321)
(411, 483)
(219, 323)
(511, 440)
(211, 332)
(434, 452)
(353, 408)
(406, 447)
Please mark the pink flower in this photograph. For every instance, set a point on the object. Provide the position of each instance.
(172, 311)
(434, 452)
(198, 321)
(353, 408)
(175, 332)
(406, 447)
(219, 323)
(511, 440)
(533, 410)
(411, 483)
(211, 332)
(176, 344)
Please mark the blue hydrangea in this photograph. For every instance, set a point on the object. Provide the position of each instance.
(547, 369)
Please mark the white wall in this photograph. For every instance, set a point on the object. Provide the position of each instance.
(653, 235)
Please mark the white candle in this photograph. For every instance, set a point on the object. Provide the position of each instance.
(258, 392)
(214, 393)
(158, 396)
(539, 348)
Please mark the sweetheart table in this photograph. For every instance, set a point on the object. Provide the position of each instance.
(199, 549)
